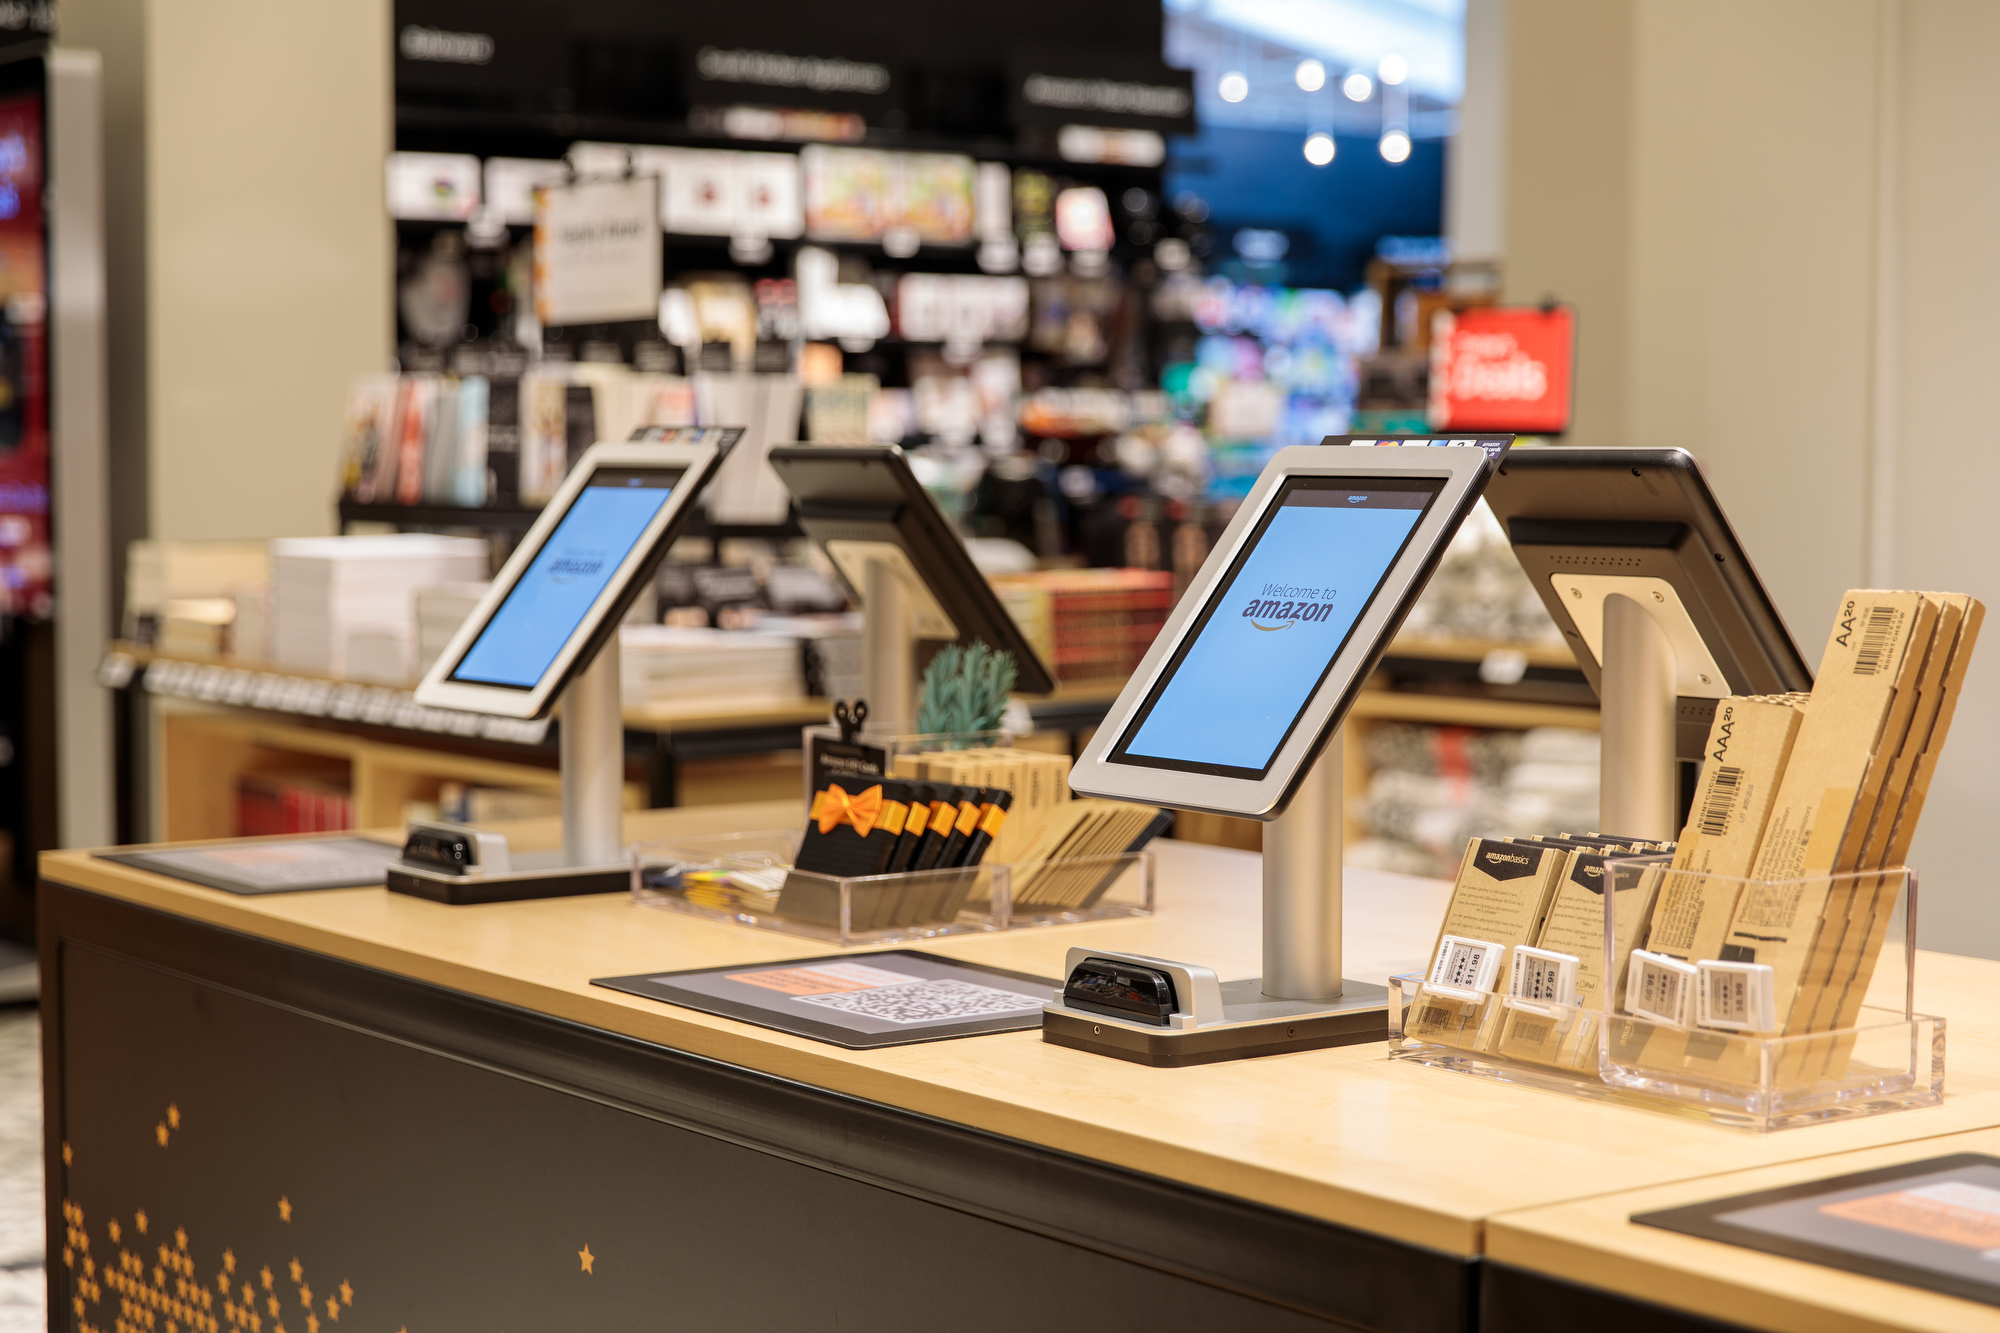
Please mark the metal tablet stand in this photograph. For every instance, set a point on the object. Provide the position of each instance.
(888, 650)
(1638, 770)
(591, 750)
(590, 742)
(1301, 1002)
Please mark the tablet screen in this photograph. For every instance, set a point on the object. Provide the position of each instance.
(553, 595)
(1241, 677)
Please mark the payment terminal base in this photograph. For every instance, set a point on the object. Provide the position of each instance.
(531, 875)
(1251, 1024)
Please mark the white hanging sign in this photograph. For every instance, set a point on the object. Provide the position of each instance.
(597, 251)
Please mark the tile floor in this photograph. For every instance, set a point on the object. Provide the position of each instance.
(22, 1293)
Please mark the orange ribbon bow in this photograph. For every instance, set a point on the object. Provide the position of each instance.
(834, 806)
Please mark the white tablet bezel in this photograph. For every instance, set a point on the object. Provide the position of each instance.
(697, 464)
(1463, 473)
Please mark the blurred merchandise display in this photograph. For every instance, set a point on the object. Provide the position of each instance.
(1090, 624)
(1430, 788)
(1480, 591)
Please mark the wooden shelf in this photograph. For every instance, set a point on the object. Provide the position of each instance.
(1453, 710)
(202, 753)
(1430, 649)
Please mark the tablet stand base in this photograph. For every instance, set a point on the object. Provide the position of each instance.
(591, 743)
(1252, 1023)
(1301, 1003)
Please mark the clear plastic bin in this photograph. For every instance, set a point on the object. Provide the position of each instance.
(1858, 1046)
(749, 879)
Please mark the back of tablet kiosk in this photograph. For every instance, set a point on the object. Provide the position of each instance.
(867, 493)
(1647, 513)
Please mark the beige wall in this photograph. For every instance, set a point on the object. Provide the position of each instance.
(1773, 219)
(267, 255)
(1945, 432)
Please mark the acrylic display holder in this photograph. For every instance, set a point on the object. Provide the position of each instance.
(1871, 1052)
(748, 879)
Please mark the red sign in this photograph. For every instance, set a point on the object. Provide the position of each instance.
(1502, 368)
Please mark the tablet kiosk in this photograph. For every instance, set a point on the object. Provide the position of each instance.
(1289, 615)
(548, 629)
(561, 595)
(1236, 710)
(1633, 557)
(903, 564)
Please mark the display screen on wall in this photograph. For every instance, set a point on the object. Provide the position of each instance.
(24, 409)
(1502, 368)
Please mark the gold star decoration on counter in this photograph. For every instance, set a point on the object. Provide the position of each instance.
(67, 1155)
(173, 1115)
(588, 1259)
(164, 1297)
(285, 1209)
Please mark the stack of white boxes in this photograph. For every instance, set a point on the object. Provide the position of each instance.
(663, 665)
(345, 606)
(441, 613)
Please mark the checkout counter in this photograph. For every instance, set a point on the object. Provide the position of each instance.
(367, 1108)
(433, 1106)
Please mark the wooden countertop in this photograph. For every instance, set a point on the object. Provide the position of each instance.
(1409, 1152)
(1593, 1242)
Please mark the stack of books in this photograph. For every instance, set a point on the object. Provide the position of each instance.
(268, 803)
(441, 613)
(1089, 624)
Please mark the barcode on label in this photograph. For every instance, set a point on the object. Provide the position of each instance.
(1535, 1033)
(1720, 801)
(1435, 1017)
(1877, 632)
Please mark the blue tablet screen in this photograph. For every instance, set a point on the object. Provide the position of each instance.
(1246, 671)
(556, 591)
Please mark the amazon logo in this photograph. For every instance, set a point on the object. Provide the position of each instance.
(1286, 614)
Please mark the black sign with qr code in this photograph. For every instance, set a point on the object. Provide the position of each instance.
(895, 998)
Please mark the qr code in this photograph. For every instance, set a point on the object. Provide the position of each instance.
(938, 1000)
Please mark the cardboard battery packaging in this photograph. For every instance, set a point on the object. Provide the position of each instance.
(1575, 925)
(1748, 746)
(1844, 934)
(1865, 682)
(1895, 846)
(1501, 895)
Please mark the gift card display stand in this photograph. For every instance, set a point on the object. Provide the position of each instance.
(749, 879)
(1672, 1048)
